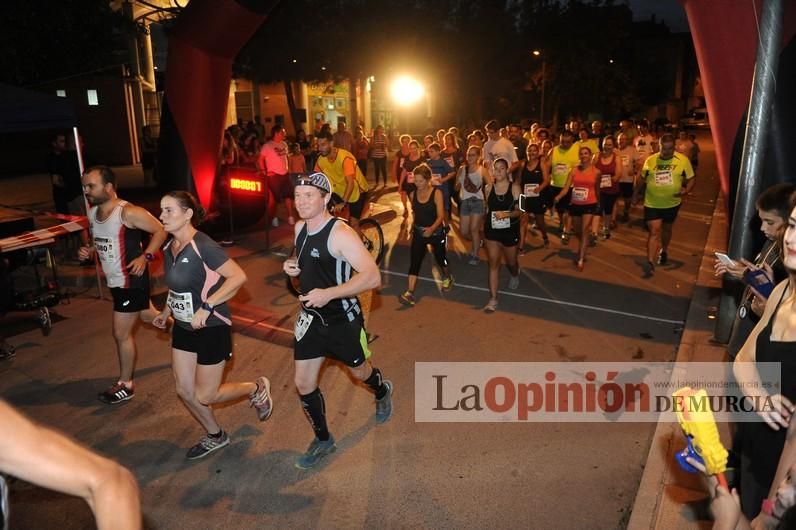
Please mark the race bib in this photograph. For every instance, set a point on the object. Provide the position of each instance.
(303, 321)
(436, 179)
(500, 223)
(410, 177)
(663, 178)
(181, 305)
(105, 250)
(605, 181)
(580, 194)
(531, 190)
(560, 169)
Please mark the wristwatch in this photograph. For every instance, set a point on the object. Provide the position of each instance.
(207, 307)
(149, 256)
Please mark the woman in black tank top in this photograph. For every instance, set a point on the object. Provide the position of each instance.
(502, 228)
(535, 183)
(773, 340)
(428, 213)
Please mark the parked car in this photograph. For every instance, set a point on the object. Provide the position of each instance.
(696, 119)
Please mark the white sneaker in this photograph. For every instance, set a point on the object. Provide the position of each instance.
(514, 282)
(275, 222)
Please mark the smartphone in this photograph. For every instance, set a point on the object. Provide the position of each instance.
(760, 281)
(725, 259)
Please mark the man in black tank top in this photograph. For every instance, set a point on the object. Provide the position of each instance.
(329, 324)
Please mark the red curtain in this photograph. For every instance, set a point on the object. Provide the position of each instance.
(725, 38)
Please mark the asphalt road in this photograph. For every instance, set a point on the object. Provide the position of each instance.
(403, 473)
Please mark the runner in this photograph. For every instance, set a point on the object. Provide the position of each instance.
(201, 279)
(665, 177)
(502, 230)
(535, 182)
(118, 229)
(563, 158)
(629, 170)
(609, 164)
(406, 180)
(428, 216)
(471, 213)
(584, 203)
(333, 268)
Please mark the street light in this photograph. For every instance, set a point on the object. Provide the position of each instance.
(406, 90)
(537, 53)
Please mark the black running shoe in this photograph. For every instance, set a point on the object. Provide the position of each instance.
(116, 394)
(663, 257)
(207, 445)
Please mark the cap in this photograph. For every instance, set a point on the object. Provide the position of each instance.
(318, 180)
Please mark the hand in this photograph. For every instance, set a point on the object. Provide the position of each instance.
(161, 320)
(781, 413)
(337, 208)
(291, 268)
(85, 253)
(764, 522)
(736, 272)
(316, 298)
(726, 508)
(137, 266)
(427, 232)
(758, 304)
(199, 319)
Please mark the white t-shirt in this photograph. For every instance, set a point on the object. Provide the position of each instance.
(500, 148)
(275, 155)
(476, 179)
(629, 157)
(644, 146)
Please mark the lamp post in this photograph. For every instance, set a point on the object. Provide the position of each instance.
(537, 53)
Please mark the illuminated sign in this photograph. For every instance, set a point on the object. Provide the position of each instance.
(245, 185)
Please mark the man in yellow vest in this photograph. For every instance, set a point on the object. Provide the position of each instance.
(349, 187)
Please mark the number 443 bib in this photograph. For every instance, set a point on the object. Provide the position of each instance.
(181, 305)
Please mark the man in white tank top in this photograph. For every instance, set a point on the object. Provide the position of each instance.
(117, 229)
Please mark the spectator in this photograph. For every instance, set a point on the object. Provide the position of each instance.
(64, 172)
(343, 138)
(273, 164)
(296, 163)
(379, 154)
(361, 151)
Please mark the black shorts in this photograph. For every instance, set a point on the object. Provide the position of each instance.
(211, 345)
(561, 205)
(355, 209)
(347, 342)
(129, 300)
(626, 189)
(579, 210)
(607, 202)
(668, 215)
(508, 237)
(280, 186)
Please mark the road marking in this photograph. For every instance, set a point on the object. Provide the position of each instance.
(256, 323)
(549, 300)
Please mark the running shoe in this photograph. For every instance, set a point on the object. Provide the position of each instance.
(207, 445)
(564, 238)
(474, 260)
(116, 393)
(447, 283)
(649, 269)
(407, 299)
(663, 257)
(546, 243)
(275, 222)
(261, 400)
(315, 452)
(384, 405)
(606, 233)
(579, 265)
(593, 240)
(514, 282)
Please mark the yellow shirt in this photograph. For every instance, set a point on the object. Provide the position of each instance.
(562, 163)
(591, 143)
(344, 163)
(665, 178)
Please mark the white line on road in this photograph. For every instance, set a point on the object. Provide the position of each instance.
(549, 300)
